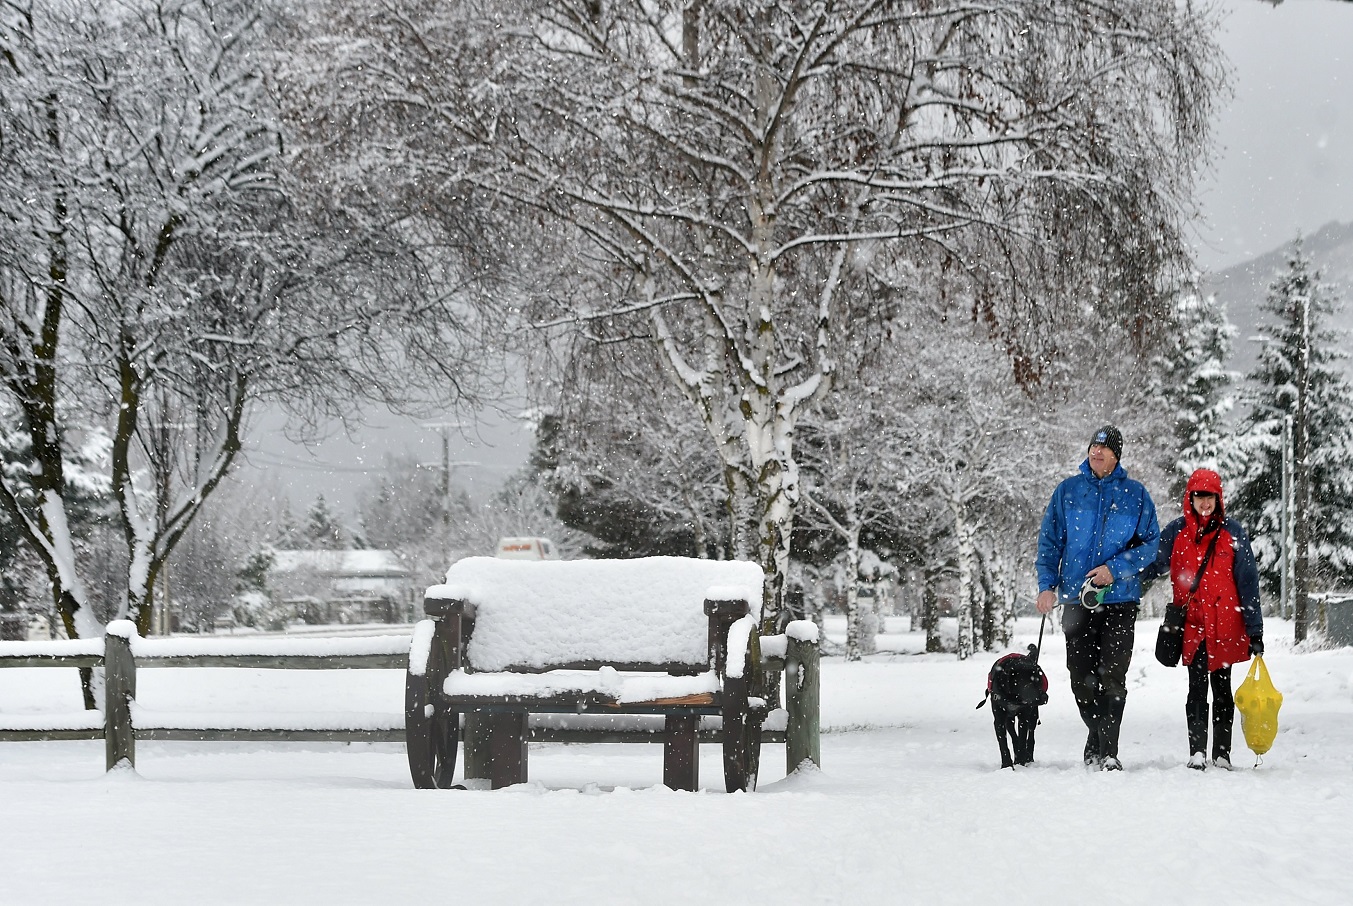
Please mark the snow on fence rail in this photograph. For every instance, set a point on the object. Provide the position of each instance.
(122, 721)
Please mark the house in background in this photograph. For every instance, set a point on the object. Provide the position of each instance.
(342, 586)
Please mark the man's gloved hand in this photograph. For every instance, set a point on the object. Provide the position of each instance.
(1257, 646)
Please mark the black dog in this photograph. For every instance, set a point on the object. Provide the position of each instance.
(1016, 686)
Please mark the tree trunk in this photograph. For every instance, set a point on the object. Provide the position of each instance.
(854, 623)
(990, 606)
(930, 614)
(963, 533)
(911, 597)
(1005, 593)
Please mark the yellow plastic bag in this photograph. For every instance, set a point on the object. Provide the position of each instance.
(1258, 703)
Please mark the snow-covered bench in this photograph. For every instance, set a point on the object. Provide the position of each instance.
(666, 636)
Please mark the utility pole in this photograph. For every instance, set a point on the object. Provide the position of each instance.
(1287, 560)
(446, 493)
(1301, 479)
(447, 467)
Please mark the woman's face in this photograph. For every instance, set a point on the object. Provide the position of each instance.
(1204, 504)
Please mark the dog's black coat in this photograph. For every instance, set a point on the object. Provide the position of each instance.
(1016, 686)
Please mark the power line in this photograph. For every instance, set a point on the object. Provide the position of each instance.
(304, 465)
(258, 457)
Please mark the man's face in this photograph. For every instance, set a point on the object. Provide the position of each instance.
(1102, 460)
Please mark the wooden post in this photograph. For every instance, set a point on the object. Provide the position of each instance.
(803, 701)
(119, 677)
(507, 747)
(475, 738)
(681, 752)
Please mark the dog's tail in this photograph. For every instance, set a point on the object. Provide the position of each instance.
(984, 700)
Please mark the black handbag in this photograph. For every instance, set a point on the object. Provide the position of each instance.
(1170, 636)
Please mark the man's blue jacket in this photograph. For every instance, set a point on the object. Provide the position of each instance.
(1091, 521)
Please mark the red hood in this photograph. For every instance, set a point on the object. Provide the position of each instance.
(1203, 480)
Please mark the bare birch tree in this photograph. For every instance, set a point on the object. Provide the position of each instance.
(740, 170)
(733, 175)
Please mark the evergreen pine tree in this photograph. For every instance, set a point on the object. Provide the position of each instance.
(1191, 381)
(1298, 377)
(322, 530)
(287, 535)
(253, 575)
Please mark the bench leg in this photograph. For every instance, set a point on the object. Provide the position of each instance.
(681, 753)
(478, 758)
(507, 748)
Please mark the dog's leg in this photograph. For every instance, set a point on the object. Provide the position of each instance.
(1004, 727)
(1024, 740)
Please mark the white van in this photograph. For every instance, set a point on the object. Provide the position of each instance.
(526, 549)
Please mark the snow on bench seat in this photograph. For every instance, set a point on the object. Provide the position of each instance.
(607, 683)
(542, 614)
(775, 722)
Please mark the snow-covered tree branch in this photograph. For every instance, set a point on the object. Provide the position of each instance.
(737, 169)
(171, 261)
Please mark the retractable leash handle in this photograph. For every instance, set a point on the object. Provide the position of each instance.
(1092, 595)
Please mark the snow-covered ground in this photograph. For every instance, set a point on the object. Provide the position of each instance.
(909, 806)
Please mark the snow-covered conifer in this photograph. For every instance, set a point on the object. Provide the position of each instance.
(1191, 381)
(322, 528)
(1298, 391)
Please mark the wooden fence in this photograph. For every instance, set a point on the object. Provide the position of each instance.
(121, 655)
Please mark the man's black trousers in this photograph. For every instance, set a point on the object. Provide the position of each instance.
(1097, 658)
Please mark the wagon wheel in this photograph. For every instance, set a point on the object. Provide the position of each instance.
(430, 734)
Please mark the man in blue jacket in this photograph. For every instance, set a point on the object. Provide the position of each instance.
(1099, 526)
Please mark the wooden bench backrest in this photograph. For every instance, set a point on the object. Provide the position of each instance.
(627, 613)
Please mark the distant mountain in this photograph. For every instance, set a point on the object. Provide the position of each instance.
(1244, 286)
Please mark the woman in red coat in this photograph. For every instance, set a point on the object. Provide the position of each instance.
(1224, 625)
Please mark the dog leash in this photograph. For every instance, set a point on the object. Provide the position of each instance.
(1042, 624)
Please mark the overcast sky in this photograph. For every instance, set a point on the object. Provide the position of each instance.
(1283, 164)
(482, 456)
(1284, 159)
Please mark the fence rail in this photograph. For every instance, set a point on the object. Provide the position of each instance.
(121, 654)
(50, 660)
